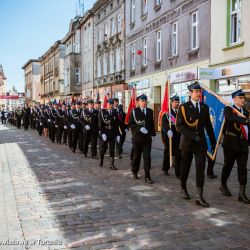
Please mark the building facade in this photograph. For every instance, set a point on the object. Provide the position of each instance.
(87, 55)
(109, 48)
(32, 81)
(52, 73)
(230, 47)
(72, 60)
(163, 38)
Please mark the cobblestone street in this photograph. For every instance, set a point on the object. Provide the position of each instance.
(53, 199)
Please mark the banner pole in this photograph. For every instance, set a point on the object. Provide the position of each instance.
(170, 124)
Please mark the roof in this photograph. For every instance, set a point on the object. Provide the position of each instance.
(1, 72)
(29, 62)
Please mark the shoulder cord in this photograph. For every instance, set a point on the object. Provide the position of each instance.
(73, 116)
(235, 125)
(105, 121)
(85, 117)
(191, 125)
(139, 123)
(61, 116)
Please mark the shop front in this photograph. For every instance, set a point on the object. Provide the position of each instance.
(231, 78)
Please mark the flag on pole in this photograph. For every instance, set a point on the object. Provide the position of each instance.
(105, 101)
(165, 105)
(139, 52)
(216, 110)
(132, 104)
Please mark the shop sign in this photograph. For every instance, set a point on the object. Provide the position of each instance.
(141, 84)
(184, 75)
(239, 69)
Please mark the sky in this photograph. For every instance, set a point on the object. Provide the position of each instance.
(27, 30)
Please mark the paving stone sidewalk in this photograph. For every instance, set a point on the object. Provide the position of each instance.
(53, 199)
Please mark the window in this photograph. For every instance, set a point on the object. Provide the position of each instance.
(235, 21)
(119, 23)
(174, 39)
(105, 64)
(133, 56)
(118, 59)
(99, 67)
(105, 31)
(77, 76)
(194, 31)
(112, 62)
(157, 2)
(145, 51)
(112, 26)
(158, 46)
(144, 7)
(132, 14)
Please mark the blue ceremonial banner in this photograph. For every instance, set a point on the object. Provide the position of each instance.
(216, 109)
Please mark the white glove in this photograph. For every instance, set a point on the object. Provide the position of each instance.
(41, 123)
(118, 138)
(104, 137)
(87, 127)
(56, 126)
(73, 126)
(48, 120)
(170, 133)
(126, 130)
(54, 122)
(144, 130)
(65, 127)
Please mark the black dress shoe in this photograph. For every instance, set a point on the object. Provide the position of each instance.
(184, 194)
(166, 173)
(148, 180)
(225, 191)
(119, 156)
(242, 195)
(135, 177)
(113, 167)
(199, 198)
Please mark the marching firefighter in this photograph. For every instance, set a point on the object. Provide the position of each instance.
(109, 132)
(192, 119)
(235, 145)
(141, 123)
(167, 133)
(89, 121)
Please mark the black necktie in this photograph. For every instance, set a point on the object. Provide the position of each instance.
(197, 107)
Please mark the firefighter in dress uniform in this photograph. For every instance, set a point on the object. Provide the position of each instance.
(109, 132)
(59, 124)
(235, 145)
(89, 122)
(123, 128)
(166, 133)
(192, 119)
(141, 123)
